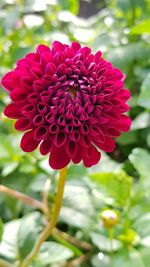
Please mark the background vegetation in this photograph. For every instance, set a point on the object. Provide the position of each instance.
(121, 29)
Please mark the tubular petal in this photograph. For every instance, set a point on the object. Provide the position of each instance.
(71, 149)
(108, 145)
(91, 156)
(23, 124)
(46, 146)
(28, 143)
(10, 80)
(60, 139)
(12, 111)
(58, 158)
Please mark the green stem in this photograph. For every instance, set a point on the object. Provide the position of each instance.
(77, 252)
(49, 228)
(111, 237)
(24, 198)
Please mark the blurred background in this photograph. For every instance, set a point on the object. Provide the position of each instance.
(121, 182)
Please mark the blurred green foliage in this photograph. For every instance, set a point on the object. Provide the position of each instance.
(121, 181)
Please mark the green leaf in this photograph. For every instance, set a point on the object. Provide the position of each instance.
(148, 140)
(78, 198)
(140, 159)
(144, 97)
(144, 252)
(9, 168)
(76, 171)
(123, 56)
(71, 5)
(141, 27)
(142, 225)
(77, 252)
(52, 252)
(141, 121)
(130, 258)
(28, 232)
(111, 164)
(100, 260)
(8, 246)
(103, 243)
(75, 218)
(117, 184)
(127, 138)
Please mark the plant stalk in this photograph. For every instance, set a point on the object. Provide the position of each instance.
(111, 237)
(24, 198)
(4, 263)
(49, 228)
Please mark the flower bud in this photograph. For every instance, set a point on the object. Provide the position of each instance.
(109, 218)
(130, 237)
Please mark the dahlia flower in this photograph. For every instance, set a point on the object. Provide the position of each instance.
(69, 102)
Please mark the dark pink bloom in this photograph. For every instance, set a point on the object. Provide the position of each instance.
(69, 101)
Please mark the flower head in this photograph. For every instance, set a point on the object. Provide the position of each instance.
(69, 101)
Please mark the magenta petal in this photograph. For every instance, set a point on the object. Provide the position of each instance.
(85, 141)
(71, 149)
(29, 110)
(38, 120)
(113, 132)
(45, 97)
(46, 146)
(40, 133)
(33, 98)
(75, 136)
(68, 129)
(33, 59)
(75, 46)
(61, 121)
(124, 124)
(42, 49)
(53, 128)
(77, 158)
(125, 94)
(28, 143)
(60, 139)
(45, 59)
(91, 156)
(37, 86)
(58, 158)
(84, 129)
(36, 73)
(50, 117)
(85, 51)
(98, 56)
(42, 108)
(11, 80)
(108, 145)
(94, 130)
(27, 83)
(57, 46)
(23, 124)
(18, 95)
(12, 111)
(50, 69)
(22, 63)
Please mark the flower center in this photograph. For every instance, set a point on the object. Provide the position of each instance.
(73, 91)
